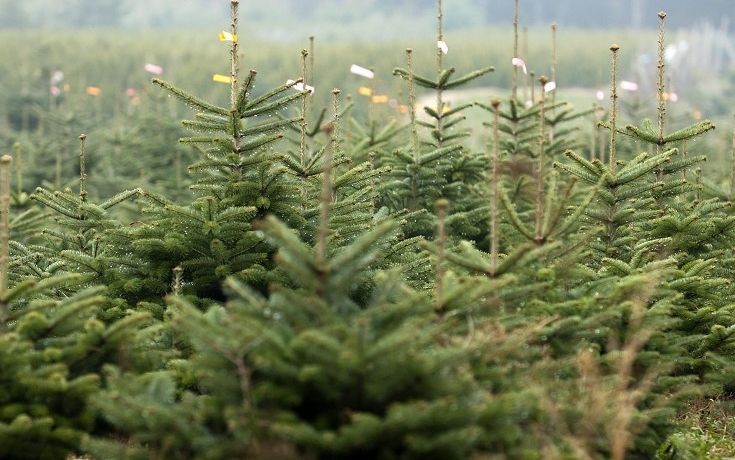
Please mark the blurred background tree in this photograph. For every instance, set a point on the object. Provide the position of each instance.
(465, 13)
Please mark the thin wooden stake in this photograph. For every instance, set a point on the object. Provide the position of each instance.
(440, 206)
(613, 108)
(5, 161)
(494, 186)
(82, 172)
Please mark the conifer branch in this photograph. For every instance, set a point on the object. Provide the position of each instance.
(689, 132)
(523, 254)
(631, 171)
(243, 97)
(515, 219)
(468, 77)
(190, 99)
(257, 143)
(595, 166)
(578, 172)
(319, 119)
(208, 122)
(454, 110)
(417, 79)
(625, 193)
(681, 165)
(267, 127)
(551, 216)
(254, 109)
(574, 218)
(44, 196)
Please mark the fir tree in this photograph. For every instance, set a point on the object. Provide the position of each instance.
(335, 289)
(439, 165)
(54, 346)
(241, 178)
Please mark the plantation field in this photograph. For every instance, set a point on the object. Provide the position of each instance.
(114, 61)
(423, 257)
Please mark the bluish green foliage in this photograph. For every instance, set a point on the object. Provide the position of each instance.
(329, 287)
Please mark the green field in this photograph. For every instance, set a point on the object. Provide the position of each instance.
(113, 61)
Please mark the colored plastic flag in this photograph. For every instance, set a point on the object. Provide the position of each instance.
(153, 68)
(364, 91)
(220, 78)
(57, 76)
(628, 85)
(518, 62)
(300, 86)
(550, 86)
(379, 99)
(132, 94)
(442, 45)
(227, 37)
(93, 91)
(362, 71)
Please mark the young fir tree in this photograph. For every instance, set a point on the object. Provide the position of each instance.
(643, 424)
(527, 226)
(438, 165)
(307, 372)
(241, 169)
(240, 178)
(652, 217)
(55, 341)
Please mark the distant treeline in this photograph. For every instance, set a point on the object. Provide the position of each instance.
(416, 14)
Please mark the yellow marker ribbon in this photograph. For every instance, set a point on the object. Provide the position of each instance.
(220, 78)
(94, 91)
(227, 37)
(380, 99)
(364, 91)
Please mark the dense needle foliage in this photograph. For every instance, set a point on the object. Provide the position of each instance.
(337, 285)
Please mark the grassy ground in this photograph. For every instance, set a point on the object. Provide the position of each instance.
(707, 432)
